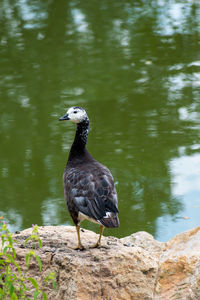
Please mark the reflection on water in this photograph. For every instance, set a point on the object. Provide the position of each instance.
(136, 69)
(185, 182)
(185, 171)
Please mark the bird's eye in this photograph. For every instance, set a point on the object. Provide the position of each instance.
(75, 112)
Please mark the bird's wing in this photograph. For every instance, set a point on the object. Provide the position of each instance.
(92, 191)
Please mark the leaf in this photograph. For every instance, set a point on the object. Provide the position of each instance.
(26, 241)
(11, 290)
(14, 253)
(54, 286)
(32, 252)
(1, 293)
(34, 283)
(40, 243)
(9, 256)
(12, 260)
(27, 259)
(39, 262)
(44, 296)
(34, 237)
(5, 249)
(36, 293)
(14, 296)
(35, 229)
(2, 262)
(10, 239)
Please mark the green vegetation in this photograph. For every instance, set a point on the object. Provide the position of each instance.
(14, 281)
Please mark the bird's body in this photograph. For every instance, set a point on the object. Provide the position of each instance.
(88, 185)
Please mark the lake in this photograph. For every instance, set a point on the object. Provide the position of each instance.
(135, 68)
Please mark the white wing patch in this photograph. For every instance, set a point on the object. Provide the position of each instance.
(108, 215)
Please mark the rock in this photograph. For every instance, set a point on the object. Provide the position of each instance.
(135, 267)
(179, 267)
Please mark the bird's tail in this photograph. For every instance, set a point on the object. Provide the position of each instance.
(111, 220)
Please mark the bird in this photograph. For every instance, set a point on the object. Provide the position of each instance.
(88, 185)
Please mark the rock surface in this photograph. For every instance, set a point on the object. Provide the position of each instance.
(136, 267)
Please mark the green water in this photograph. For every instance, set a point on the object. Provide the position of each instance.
(135, 67)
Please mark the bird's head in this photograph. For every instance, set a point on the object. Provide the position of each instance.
(75, 114)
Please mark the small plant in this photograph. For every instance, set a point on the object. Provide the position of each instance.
(13, 282)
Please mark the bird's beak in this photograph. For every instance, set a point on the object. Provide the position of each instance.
(65, 117)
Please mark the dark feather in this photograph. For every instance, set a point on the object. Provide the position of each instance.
(89, 189)
(88, 185)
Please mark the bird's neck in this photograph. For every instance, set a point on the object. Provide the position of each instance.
(78, 148)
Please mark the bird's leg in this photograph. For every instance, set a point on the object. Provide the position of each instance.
(79, 246)
(98, 244)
